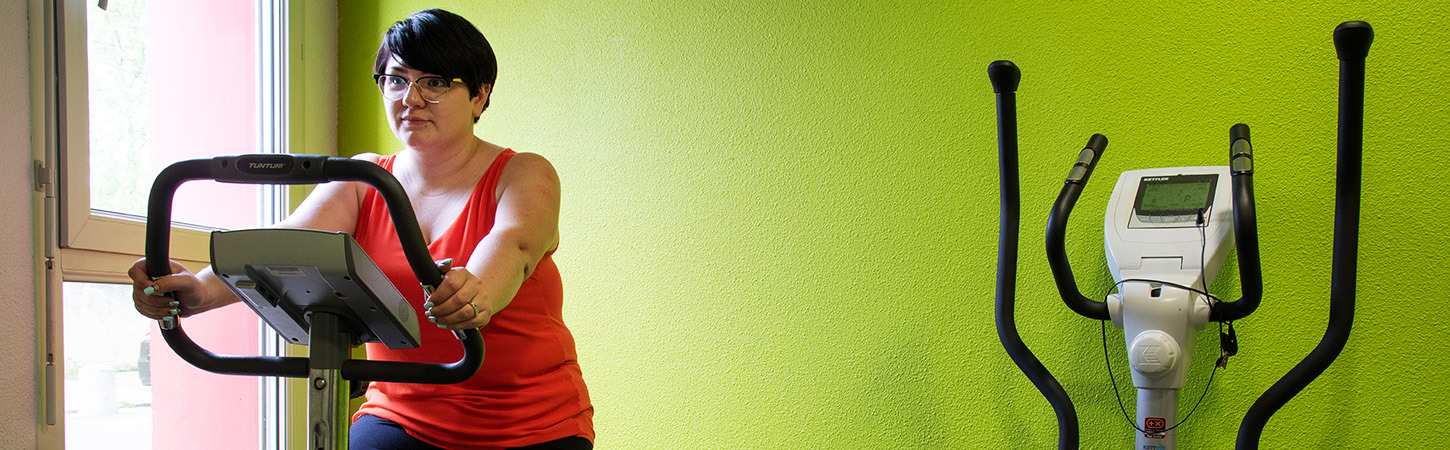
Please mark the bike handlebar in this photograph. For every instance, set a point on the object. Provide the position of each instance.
(301, 169)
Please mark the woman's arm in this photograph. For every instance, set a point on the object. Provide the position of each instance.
(525, 227)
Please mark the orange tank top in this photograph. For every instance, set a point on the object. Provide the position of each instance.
(529, 389)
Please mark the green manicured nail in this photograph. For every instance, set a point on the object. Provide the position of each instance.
(428, 305)
(175, 312)
(441, 326)
(433, 319)
(150, 290)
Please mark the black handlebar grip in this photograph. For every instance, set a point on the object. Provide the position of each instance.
(1352, 40)
(1241, 153)
(1004, 75)
(1238, 131)
(1082, 169)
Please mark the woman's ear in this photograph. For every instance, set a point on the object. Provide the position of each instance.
(480, 101)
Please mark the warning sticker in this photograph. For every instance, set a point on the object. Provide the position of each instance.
(1155, 427)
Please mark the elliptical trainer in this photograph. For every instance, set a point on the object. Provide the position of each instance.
(1149, 230)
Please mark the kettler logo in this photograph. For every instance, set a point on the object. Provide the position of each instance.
(1155, 179)
(266, 166)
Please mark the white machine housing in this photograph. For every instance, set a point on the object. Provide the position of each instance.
(1149, 221)
(1166, 225)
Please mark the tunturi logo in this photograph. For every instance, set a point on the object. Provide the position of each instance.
(266, 165)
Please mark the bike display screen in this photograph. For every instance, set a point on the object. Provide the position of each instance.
(1174, 195)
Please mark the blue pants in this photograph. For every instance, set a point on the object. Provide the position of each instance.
(375, 433)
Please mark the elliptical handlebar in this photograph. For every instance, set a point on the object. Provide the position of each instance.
(1244, 220)
(1246, 234)
(1077, 178)
(1351, 43)
(1005, 76)
(301, 169)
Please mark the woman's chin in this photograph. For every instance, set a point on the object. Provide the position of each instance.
(414, 138)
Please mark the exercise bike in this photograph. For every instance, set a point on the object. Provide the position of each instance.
(314, 288)
(1166, 233)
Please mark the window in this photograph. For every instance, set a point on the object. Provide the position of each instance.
(150, 96)
(141, 84)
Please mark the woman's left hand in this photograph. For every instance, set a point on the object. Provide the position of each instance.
(458, 303)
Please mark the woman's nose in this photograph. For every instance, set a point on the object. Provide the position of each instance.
(413, 98)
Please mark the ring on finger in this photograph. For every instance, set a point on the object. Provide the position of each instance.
(475, 308)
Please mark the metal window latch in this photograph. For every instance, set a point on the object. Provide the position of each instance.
(42, 178)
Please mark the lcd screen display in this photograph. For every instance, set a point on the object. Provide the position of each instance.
(1174, 196)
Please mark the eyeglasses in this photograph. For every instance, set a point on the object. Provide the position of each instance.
(431, 89)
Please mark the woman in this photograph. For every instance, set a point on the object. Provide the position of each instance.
(493, 212)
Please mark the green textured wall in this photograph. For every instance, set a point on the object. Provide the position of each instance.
(780, 218)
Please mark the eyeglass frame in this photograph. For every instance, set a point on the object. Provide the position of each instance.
(378, 77)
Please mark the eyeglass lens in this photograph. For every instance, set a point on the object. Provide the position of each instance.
(431, 89)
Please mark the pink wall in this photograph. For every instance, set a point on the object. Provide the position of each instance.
(202, 69)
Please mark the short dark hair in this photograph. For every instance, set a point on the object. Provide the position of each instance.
(442, 43)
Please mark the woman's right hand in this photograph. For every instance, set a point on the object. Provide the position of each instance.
(150, 295)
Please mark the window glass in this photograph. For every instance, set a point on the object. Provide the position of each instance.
(116, 60)
(160, 94)
(125, 389)
(107, 369)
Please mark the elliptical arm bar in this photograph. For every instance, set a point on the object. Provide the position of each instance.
(1351, 42)
(1005, 76)
(1246, 234)
(1077, 178)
